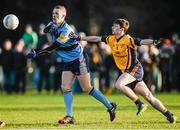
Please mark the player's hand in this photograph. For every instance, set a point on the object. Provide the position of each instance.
(74, 36)
(32, 54)
(156, 42)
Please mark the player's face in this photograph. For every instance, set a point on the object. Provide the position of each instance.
(116, 29)
(58, 16)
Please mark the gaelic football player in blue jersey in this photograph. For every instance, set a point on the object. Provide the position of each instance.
(76, 63)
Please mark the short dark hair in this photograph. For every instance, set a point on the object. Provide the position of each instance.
(122, 23)
(60, 7)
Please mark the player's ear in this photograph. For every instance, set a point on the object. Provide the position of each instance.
(123, 29)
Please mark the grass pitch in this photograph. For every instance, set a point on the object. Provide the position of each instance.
(32, 111)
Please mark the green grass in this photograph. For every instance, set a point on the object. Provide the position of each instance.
(43, 112)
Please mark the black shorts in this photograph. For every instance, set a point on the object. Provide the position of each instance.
(78, 66)
(132, 85)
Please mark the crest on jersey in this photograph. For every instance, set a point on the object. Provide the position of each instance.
(62, 38)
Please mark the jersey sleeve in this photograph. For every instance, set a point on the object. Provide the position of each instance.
(104, 39)
(133, 42)
(137, 41)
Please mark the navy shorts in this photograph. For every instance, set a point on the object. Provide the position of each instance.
(78, 66)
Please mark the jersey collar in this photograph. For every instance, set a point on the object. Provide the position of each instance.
(118, 39)
(62, 24)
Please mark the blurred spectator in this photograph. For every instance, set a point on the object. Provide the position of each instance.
(42, 38)
(156, 82)
(1, 77)
(58, 67)
(44, 63)
(105, 68)
(20, 67)
(30, 37)
(166, 59)
(42, 41)
(95, 61)
(176, 63)
(175, 39)
(7, 62)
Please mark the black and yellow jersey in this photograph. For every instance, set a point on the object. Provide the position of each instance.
(123, 50)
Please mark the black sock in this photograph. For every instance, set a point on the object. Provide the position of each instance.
(138, 102)
(167, 114)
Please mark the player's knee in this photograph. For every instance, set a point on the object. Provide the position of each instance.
(87, 89)
(65, 88)
(149, 97)
(119, 86)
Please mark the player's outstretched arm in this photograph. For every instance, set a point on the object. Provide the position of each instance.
(48, 50)
(150, 41)
(87, 38)
(91, 39)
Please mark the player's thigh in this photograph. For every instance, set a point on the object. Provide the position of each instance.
(67, 79)
(124, 79)
(85, 82)
(142, 89)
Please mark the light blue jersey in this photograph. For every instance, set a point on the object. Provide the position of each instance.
(61, 35)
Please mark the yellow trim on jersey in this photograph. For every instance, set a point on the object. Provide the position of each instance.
(130, 57)
(63, 38)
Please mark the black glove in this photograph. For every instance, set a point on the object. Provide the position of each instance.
(156, 42)
(47, 28)
(31, 54)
